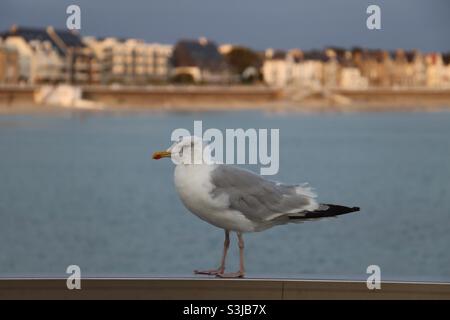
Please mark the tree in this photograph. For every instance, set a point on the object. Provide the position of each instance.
(241, 58)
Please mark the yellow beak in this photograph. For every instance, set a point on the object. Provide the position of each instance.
(161, 154)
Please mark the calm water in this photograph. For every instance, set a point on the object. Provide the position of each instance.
(83, 190)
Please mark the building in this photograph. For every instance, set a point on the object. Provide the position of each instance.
(350, 76)
(98, 47)
(39, 60)
(402, 75)
(9, 65)
(446, 72)
(310, 70)
(200, 61)
(419, 69)
(131, 61)
(435, 72)
(375, 65)
(330, 69)
(278, 68)
(49, 55)
(294, 68)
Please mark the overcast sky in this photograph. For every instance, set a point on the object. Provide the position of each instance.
(259, 24)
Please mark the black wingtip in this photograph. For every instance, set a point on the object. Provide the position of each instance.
(334, 209)
(331, 210)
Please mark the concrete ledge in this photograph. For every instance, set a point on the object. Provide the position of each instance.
(251, 289)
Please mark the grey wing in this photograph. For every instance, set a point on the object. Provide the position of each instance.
(260, 199)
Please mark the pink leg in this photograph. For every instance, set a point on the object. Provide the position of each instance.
(221, 269)
(241, 272)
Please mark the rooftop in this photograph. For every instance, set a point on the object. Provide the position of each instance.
(198, 53)
(68, 38)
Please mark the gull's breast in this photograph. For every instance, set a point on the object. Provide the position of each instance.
(194, 186)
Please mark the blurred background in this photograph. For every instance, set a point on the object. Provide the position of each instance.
(363, 117)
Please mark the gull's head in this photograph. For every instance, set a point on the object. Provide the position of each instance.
(187, 150)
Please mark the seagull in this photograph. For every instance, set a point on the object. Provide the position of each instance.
(238, 200)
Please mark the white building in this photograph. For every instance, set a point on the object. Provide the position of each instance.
(38, 60)
(330, 69)
(50, 55)
(435, 73)
(351, 78)
(49, 65)
(278, 68)
(9, 64)
(276, 72)
(225, 48)
(284, 69)
(308, 73)
(158, 59)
